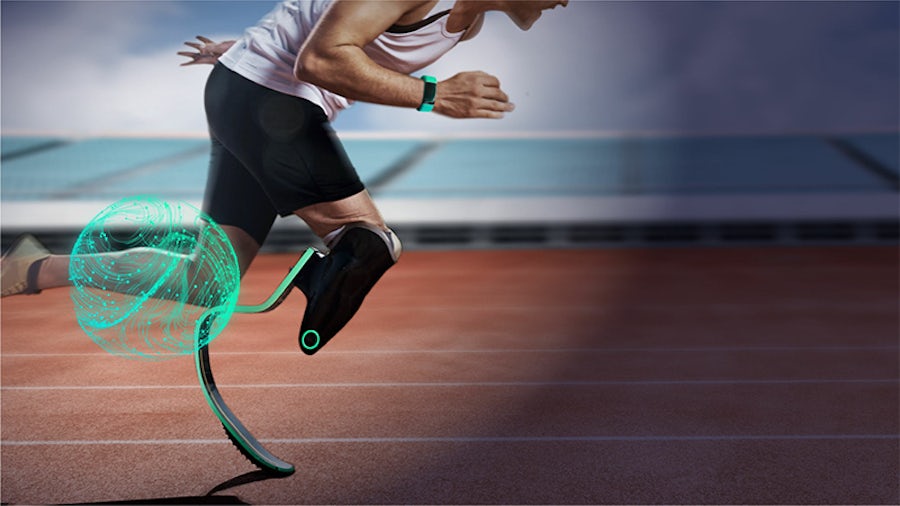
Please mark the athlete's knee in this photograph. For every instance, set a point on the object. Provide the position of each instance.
(361, 245)
(390, 239)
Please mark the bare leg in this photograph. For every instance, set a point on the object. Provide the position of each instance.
(326, 217)
(54, 271)
(245, 247)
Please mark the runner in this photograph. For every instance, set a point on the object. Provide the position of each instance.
(270, 99)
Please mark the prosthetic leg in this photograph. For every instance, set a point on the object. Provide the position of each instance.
(248, 445)
(335, 286)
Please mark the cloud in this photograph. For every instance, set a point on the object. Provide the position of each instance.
(148, 94)
(88, 68)
(96, 67)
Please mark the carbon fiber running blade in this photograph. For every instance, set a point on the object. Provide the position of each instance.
(248, 445)
(240, 435)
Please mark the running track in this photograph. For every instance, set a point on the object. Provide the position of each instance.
(753, 375)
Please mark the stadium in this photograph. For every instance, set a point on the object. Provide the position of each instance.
(580, 316)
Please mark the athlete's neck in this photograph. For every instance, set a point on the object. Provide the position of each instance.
(465, 13)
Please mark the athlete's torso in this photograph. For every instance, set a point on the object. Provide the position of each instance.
(267, 51)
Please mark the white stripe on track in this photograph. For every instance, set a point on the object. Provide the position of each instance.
(465, 384)
(698, 349)
(474, 439)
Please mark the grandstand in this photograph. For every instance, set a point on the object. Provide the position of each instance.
(534, 190)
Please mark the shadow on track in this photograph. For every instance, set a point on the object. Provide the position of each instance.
(209, 498)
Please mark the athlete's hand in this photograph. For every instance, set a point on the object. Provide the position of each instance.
(208, 52)
(472, 95)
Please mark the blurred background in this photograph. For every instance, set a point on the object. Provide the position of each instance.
(636, 123)
(688, 227)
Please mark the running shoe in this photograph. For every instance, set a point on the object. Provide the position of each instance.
(19, 266)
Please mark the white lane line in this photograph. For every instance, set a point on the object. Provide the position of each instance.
(698, 349)
(465, 384)
(473, 439)
(695, 349)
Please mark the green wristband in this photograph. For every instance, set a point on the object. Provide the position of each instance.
(428, 96)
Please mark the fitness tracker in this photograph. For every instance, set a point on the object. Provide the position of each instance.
(428, 96)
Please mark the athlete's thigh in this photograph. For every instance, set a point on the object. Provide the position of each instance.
(236, 201)
(285, 142)
(325, 217)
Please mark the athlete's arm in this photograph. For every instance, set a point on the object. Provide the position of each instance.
(333, 58)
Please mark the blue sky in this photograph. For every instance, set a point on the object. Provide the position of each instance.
(94, 67)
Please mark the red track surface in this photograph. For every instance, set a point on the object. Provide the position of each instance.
(605, 376)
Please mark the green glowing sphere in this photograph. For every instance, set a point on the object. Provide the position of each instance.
(144, 273)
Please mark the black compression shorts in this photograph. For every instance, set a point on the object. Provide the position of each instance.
(271, 154)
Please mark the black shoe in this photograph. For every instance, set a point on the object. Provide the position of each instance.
(336, 284)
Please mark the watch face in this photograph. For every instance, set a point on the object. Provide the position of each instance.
(429, 93)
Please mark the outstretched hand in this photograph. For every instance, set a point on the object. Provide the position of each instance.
(208, 52)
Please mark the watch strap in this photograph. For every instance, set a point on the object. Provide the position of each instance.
(429, 94)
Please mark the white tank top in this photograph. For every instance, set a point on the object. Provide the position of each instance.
(266, 52)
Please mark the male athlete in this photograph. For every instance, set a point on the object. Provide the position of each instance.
(269, 102)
